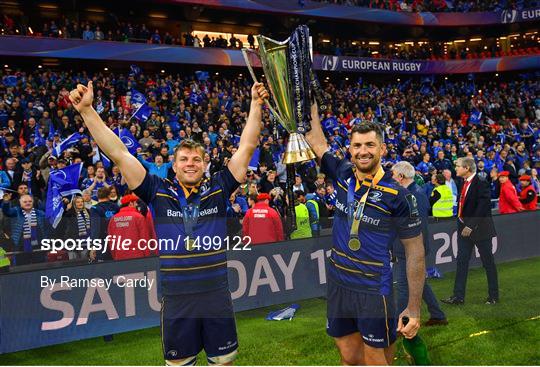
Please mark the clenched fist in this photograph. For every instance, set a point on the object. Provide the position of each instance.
(82, 97)
(259, 93)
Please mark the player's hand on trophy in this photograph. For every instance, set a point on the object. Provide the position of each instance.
(259, 93)
(82, 97)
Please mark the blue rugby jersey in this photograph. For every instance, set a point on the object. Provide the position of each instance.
(186, 271)
(390, 211)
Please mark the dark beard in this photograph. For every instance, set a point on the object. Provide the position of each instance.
(370, 168)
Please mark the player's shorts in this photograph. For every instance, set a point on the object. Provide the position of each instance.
(192, 322)
(370, 314)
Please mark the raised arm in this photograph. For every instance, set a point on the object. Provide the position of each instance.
(250, 136)
(315, 137)
(132, 170)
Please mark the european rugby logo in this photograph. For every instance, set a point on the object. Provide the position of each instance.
(329, 63)
(508, 16)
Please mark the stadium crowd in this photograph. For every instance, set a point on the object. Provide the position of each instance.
(131, 32)
(460, 6)
(424, 51)
(428, 123)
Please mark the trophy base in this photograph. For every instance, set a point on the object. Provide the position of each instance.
(297, 150)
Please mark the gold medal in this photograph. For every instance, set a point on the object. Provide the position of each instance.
(354, 244)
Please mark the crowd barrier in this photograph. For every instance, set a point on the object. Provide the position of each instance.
(35, 314)
(137, 52)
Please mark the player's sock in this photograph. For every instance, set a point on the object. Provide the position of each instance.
(190, 361)
(221, 360)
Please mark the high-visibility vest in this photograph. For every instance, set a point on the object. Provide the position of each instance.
(444, 207)
(303, 228)
(4, 261)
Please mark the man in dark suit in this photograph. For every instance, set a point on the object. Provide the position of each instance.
(475, 227)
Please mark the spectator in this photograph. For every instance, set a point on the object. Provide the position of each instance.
(28, 228)
(31, 177)
(251, 40)
(320, 197)
(269, 182)
(9, 173)
(452, 186)
(424, 166)
(98, 34)
(156, 38)
(403, 173)
(262, 224)
(442, 163)
(298, 185)
(76, 225)
(88, 34)
(97, 182)
(99, 219)
(303, 219)
(314, 214)
(528, 196)
(441, 199)
(130, 225)
(508, 198)
(157, 168)
(511, 168)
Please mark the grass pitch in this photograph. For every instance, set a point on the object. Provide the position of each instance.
(504, 334)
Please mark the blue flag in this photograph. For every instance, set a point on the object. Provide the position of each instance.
(378, 112)
(62, 182)
(254, 162)
(174, 124)
(137, 98)
(69, 142)
(329, 124)
(202, 75)
(235, 139)
(10, 81)
(105, 160)
(426, 89)
(283, 314)
(143, 112)
(134, 70)
(128, 139)
(38, 139)
(475, 117)
(195, 97)
(51, 131)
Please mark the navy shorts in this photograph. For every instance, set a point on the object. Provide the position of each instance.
(370, 314)
(192, 322)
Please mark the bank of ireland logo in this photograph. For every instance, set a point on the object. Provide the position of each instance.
(329, 63)
(508, 16)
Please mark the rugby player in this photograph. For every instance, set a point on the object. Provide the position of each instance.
(371, 210)
(196, 309)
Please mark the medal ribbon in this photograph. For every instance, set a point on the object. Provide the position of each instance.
(368, 182)
(190, 211)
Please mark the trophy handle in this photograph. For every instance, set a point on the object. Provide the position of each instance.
(254, 77)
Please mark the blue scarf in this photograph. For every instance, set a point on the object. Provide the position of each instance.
(30, 238)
